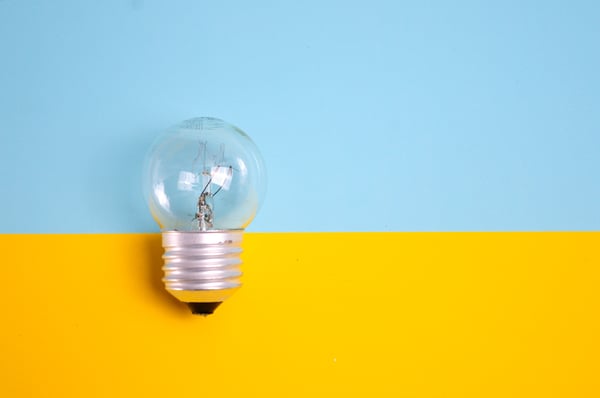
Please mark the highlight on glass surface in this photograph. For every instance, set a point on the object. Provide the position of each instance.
(204, 181)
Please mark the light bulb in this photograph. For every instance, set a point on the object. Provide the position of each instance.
(204, 182)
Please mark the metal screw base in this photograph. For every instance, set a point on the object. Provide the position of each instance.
(202, 267)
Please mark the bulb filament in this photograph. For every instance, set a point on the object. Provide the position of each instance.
(221, 176)
(217, 175)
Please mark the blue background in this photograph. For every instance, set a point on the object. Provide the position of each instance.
(371, 115)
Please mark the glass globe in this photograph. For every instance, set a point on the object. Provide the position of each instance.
(204, 174)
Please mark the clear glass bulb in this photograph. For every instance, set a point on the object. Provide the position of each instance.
(204, 174)
(204, 181)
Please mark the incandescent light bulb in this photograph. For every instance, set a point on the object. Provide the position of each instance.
(204, 181)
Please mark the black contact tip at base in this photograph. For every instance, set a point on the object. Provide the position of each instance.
(203, 308)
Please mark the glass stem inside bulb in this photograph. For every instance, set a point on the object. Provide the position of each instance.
(204, 213)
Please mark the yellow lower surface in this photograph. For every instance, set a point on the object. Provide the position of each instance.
(330, 314)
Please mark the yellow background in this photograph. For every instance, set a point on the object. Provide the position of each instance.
(327, 314)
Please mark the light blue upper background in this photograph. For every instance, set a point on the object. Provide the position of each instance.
(371, 115)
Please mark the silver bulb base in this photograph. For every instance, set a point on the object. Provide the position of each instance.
(202, 268)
